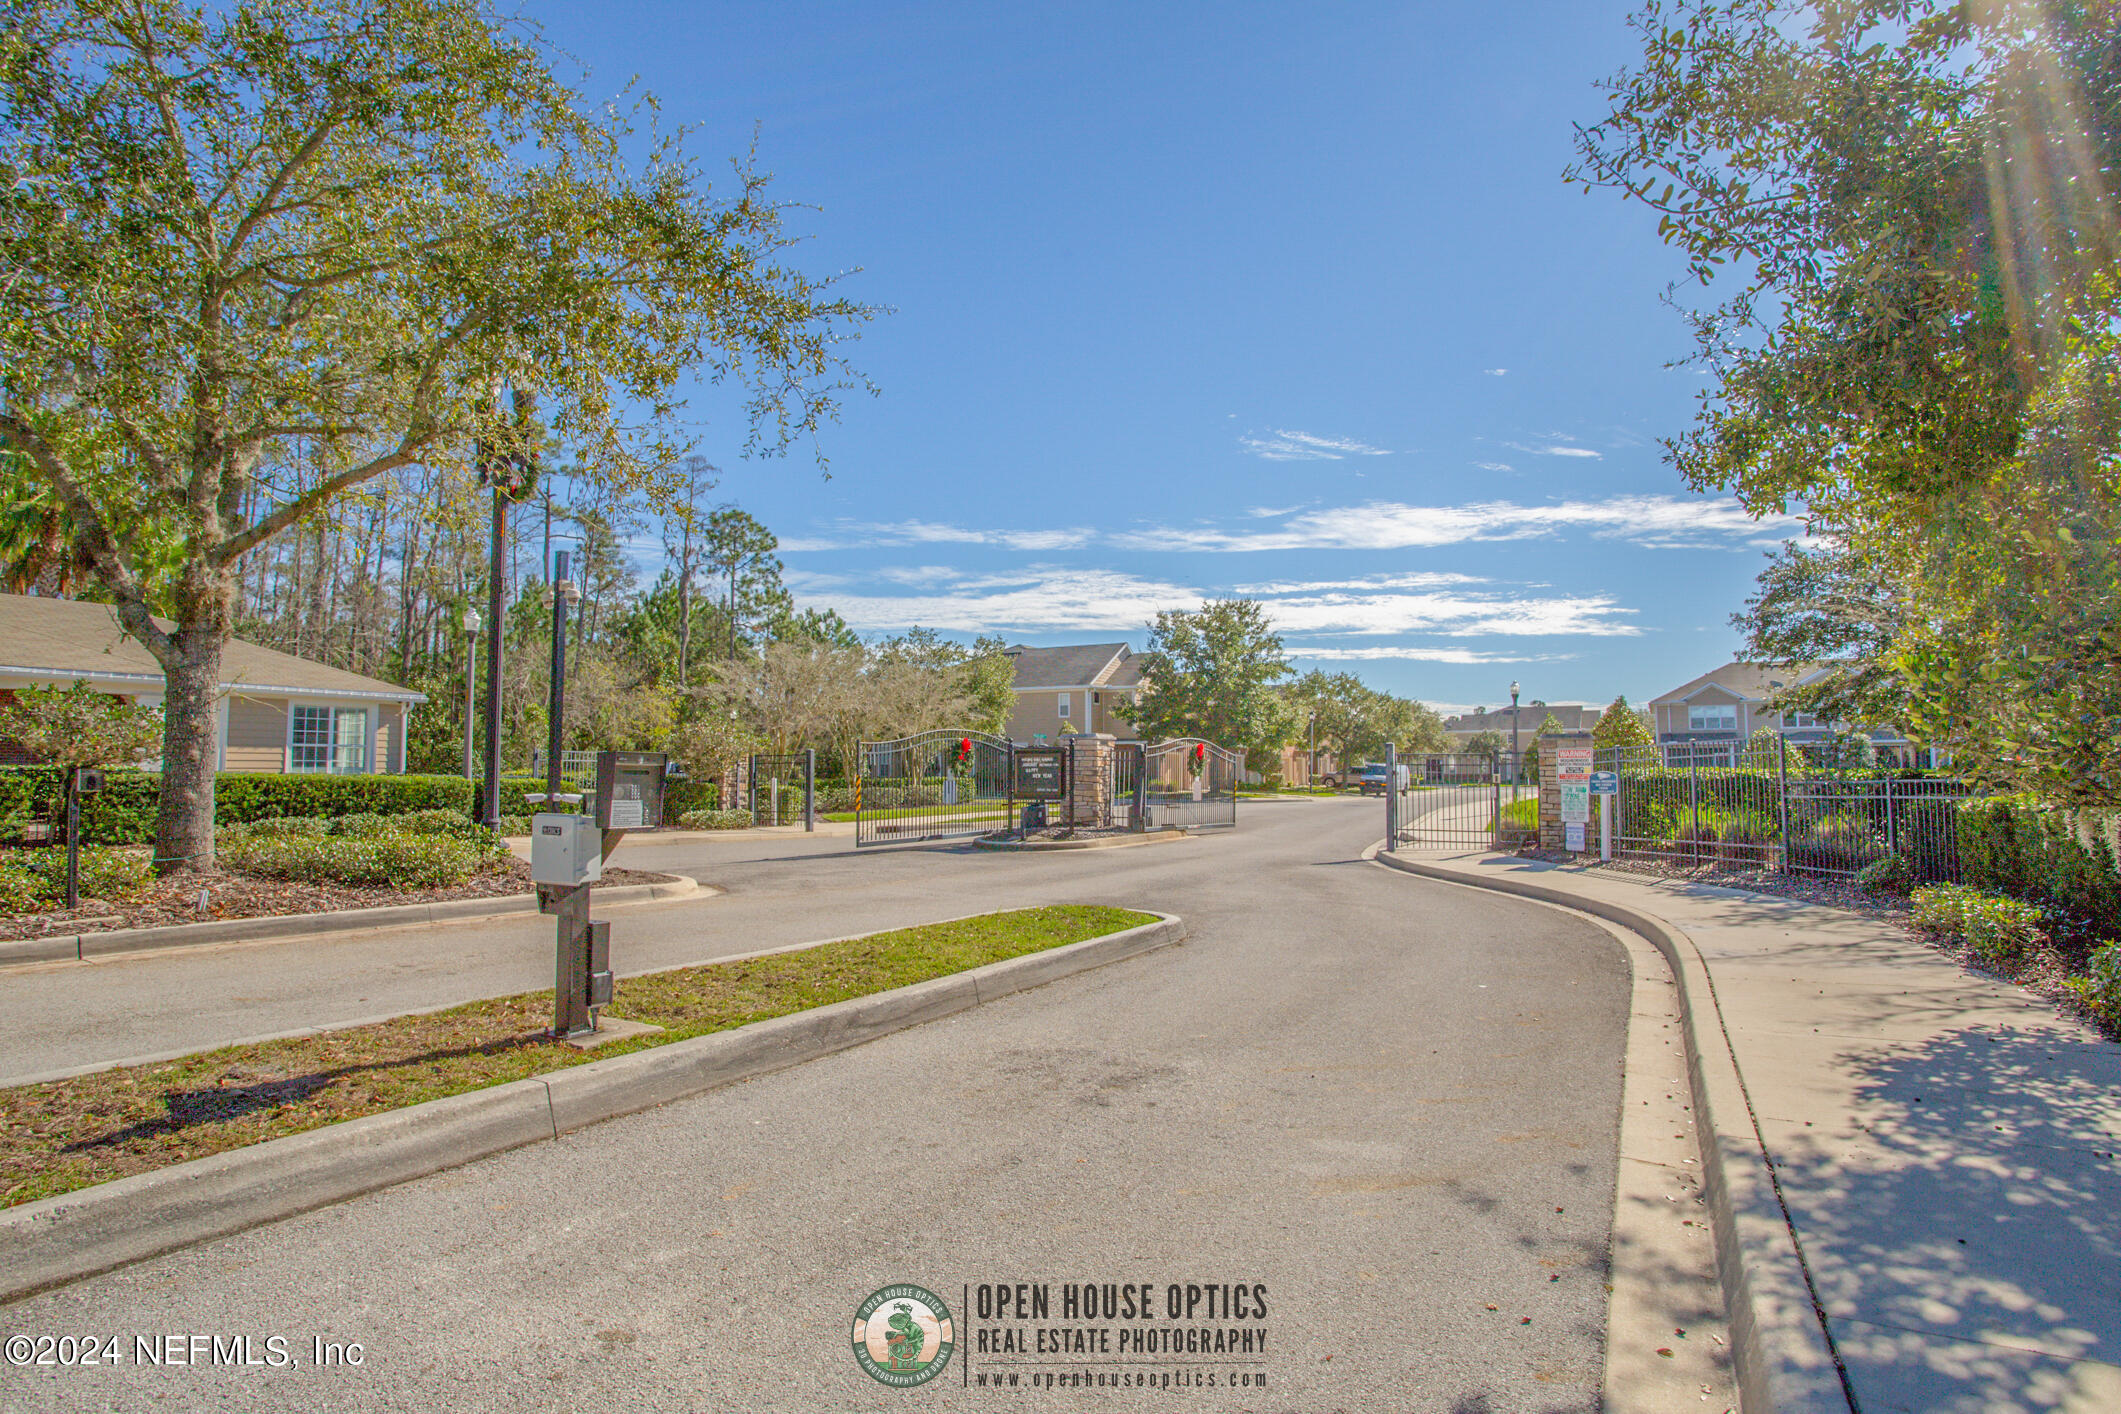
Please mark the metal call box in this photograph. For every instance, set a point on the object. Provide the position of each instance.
(566, 849)
(630, 789)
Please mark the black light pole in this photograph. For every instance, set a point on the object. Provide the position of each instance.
(496, 577)
(562, 589)
(1516, 761)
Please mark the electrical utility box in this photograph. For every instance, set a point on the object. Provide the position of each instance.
(566, 849)
(630, 789)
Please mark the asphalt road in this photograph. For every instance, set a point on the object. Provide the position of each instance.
(1390, 1103)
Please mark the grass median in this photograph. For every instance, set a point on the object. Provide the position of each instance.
(68, 1134)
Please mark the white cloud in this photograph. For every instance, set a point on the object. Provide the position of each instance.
(1044, 598)
(801, 545)
(1495, 466)
(1286, 446)
(1494, 372)
(1418, 655)
(1057, 599)
(1452, 615)
(1655, 522)
(1418, 579)
(923, 532)
(1554, 451)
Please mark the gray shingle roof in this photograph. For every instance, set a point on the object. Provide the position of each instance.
(70, 638)
(1077, 665)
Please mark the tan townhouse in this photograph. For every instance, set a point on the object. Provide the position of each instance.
(276, 712)
(1078, 688)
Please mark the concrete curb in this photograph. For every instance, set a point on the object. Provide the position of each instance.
(304, 925)
(1104, 842)
(1779, 1349)
(58, 1240)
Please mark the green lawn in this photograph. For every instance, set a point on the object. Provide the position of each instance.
(69, 1134)
(1522, 814)
(972, 810)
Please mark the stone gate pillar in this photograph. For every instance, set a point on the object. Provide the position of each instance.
(1090, 784)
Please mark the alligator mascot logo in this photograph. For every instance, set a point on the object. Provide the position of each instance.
(903, 1335)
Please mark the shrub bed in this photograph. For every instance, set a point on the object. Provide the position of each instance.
(715, 820)
(401, 858)
(2000, 930)
(2100, 987)
(31, 878)
(2064, 858)
(422, 849)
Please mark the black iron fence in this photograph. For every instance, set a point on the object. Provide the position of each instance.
(936, 785)
(1771, 809)
(783, 789)
(1464, 800)
(1189, 783)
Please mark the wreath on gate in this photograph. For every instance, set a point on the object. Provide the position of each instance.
(964, 751)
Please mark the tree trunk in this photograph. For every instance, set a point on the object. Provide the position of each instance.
(184, 824)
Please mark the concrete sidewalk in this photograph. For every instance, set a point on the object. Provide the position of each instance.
(1942, 1144)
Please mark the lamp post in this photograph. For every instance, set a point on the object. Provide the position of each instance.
(471, 685)
(564, 595)
(1516, 761)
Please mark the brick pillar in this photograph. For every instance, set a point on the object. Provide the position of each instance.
(1090, 789)
(1551, 834)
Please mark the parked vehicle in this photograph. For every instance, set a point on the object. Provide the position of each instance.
(1374, 778)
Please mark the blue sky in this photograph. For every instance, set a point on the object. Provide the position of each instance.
(1283, 301)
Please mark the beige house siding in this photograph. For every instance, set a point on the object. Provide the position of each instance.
(390, 736)
(1090, 710)
(257, 734)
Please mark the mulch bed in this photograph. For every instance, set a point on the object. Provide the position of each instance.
(2043, 971)
(228, 895)
(1064, 832)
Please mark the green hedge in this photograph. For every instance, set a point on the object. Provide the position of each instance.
(2064, 858)
(124, 811)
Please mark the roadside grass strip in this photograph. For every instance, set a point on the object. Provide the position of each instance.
(64, 1135)
(985, 810)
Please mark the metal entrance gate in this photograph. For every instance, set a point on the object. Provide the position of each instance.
(934, 786)
(1189, 783)
(1469, 801)
(784, 789)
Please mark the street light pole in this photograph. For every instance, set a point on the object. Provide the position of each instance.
(471, 685)
(1516, 761)
(496, 576)
(563, 594)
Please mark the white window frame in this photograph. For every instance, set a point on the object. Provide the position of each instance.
(1804, 722)
(1726, 719)
(343, 753)
(1066, 701)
